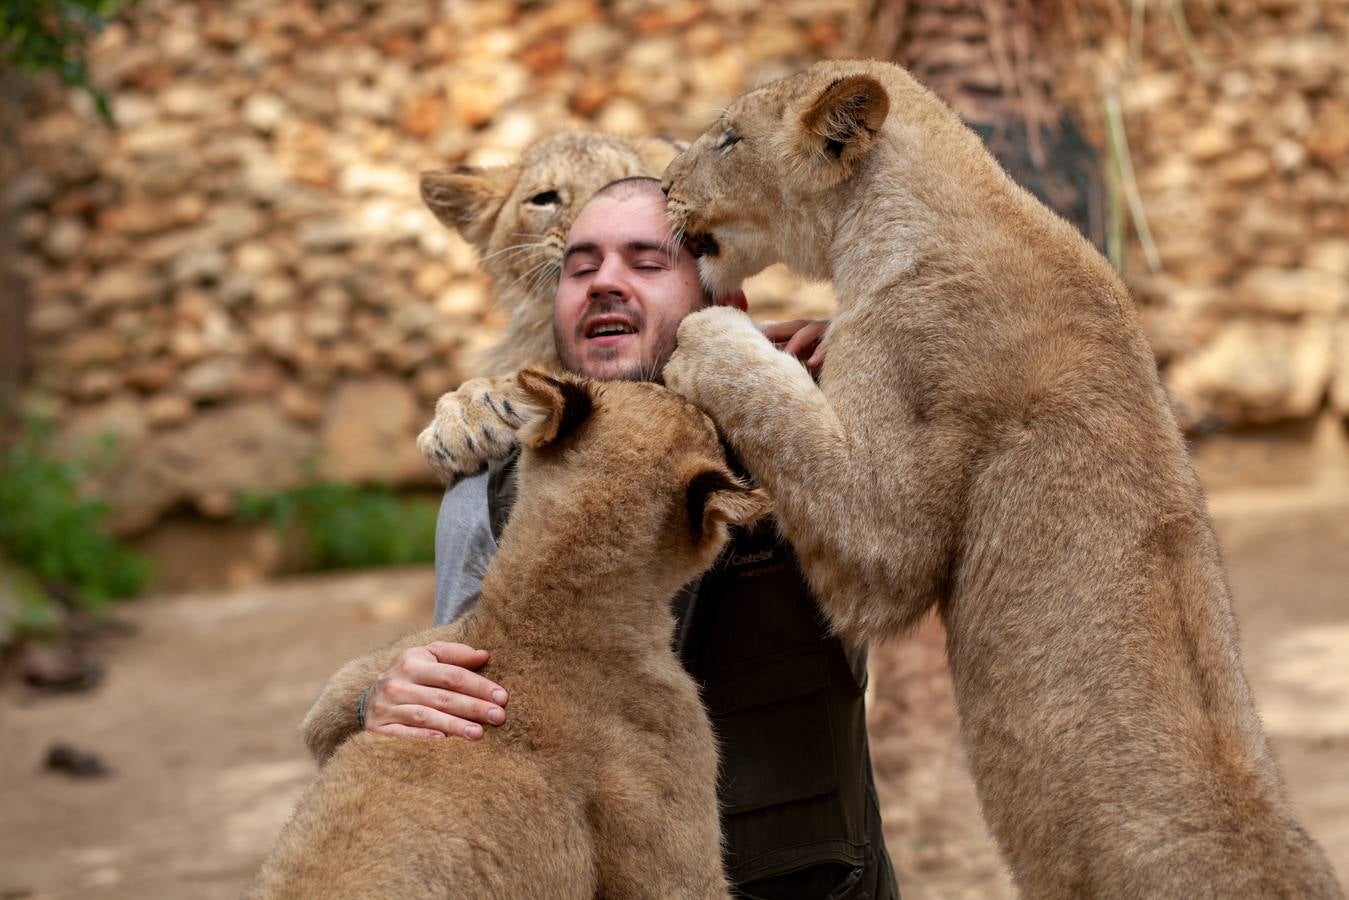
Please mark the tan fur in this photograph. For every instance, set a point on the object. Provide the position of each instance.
(601, 783)
(520, 242)
(990, 436)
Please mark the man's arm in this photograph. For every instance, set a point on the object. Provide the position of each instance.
(424, 684)
(464, 546)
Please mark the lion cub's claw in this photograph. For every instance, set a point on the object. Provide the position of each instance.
(473, 426)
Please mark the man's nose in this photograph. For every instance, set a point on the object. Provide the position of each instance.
(608, 279)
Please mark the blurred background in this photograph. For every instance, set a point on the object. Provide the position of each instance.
(225, 314)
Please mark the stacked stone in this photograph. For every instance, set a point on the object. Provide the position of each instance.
(240, 281)
(1241, 147)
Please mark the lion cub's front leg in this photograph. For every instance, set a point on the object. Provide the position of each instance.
(473, 426)
(764, 399)
(816, 460)
(725, 365)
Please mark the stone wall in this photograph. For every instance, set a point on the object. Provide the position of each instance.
(240, 281)
(1240, 143)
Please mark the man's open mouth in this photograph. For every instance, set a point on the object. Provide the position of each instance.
(702, 245)
(608, 328)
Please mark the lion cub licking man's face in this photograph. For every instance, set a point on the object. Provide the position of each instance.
(990, 437)
(602, 781)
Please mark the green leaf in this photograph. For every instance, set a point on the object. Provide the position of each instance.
(54, 36)
(341, 526)
(48, 527)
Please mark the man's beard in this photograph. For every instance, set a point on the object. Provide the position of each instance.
(644, 369)
(648, 368)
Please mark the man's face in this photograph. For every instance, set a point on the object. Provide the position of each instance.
(623, 290)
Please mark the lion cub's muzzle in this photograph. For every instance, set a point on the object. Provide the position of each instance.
(700, 243)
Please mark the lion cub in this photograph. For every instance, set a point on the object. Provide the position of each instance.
(602, 781)
(990, 437)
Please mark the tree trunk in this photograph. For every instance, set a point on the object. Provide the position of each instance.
(13, 290)
(994, 62)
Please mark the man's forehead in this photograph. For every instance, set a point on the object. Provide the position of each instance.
(622, 219)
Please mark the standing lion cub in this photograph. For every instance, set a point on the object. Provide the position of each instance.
(602, 782)
(990, 437)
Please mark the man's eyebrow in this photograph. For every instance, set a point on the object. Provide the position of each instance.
(583, 247)
(629, 247)
(639, 246)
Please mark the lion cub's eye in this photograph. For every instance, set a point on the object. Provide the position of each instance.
(728, 140)
(545, 198)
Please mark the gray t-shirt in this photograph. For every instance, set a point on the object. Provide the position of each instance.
(464, 547)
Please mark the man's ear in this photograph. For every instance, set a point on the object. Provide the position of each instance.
(469, 199)
(734, 299)
(714, 495)
(843, 120)
(561, 403)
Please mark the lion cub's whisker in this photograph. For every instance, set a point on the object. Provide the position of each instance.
(514, 248)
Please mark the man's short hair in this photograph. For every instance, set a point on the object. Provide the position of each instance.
(640, 186)
(631, 186)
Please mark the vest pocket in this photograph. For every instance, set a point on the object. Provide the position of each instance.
(773, 725)
(783, 809)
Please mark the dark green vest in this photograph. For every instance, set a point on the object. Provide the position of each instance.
(799, 808)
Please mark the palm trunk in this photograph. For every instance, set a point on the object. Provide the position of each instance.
(994, 61)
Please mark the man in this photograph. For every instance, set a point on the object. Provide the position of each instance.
(799, 809)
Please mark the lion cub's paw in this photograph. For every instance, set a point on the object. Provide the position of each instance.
(473, 426)
(714, 343)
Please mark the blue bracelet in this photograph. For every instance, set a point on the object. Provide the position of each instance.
(360, 710)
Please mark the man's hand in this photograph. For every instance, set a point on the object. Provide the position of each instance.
(800, 338)
(433, 692)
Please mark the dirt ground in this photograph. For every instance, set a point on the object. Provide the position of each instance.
(1288, 559)
(197, 721)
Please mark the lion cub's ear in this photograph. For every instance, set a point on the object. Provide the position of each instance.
(843, 120)
(657, 152)
(561, 404)
(469, 199)
(714, 495)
